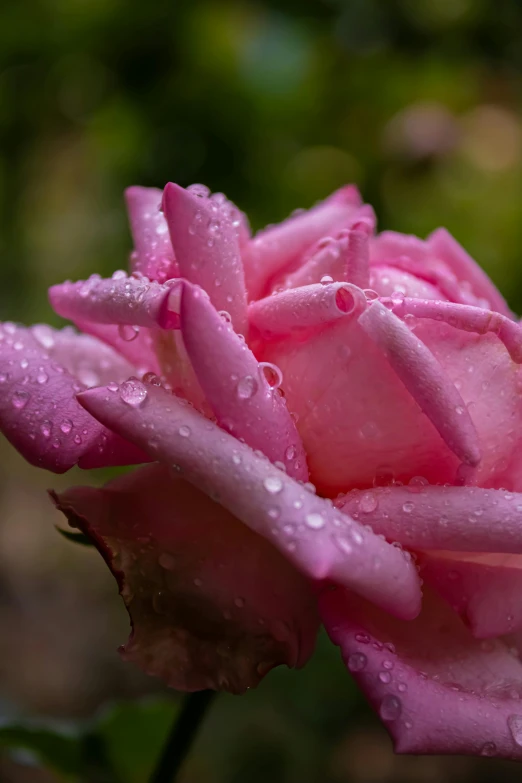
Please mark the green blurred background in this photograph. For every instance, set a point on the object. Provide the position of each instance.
(277, 103)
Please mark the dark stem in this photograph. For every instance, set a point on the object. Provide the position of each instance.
(182, 736)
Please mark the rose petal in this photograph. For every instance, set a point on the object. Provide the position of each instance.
(461, 519)
(274, 249)
(388, 280)
(307, 529)
(204, 612)
(139, 350)
(153, 255)
(235, 385)
(446, 247)
(425, 379)
(207, 248)
(122, 300)
(305, 308)
(484, 589)
(436, 689)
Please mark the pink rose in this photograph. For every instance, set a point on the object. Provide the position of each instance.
(383, 369)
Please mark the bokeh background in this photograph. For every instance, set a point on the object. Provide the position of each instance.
(277, 103)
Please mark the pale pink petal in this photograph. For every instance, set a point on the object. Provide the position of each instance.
(320, 541)
(207, 248)
(484, 589)
(355, 417)
(388, 280)
(39, 413)
(420, 516)
(236, 387)
(305, 308)
(443, 280)
(435, 688)
(276, 248)
(446, 247)
(212, 604)
(138, 350)
(470, 319)
(153, 255)
(393, 244)
(131, 301)
(425, 379)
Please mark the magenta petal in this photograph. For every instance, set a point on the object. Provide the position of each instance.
(307, 307)
(484, 589)
(236, 387)
(320, 541)
(120, 300)
(446, 247)
(207, 248)
(39, 413)
(212, 605)
(435, 688)
(460, 519)
(425, 379)
(153, 255)
(274, 249)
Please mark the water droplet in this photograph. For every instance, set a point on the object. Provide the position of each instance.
(128, 332)
(362, 638)
(385, 677)
(488, 749)
(225, 315)
(272, 374)
(326, 280)
(315, 521)
(3, 377)
(388, 665)
(113, 387)
(273, 484)
(370, 294)
(20, 399)
(402, 687)
(368, 502)
(247, 387)
(166, 561)
(357, 662)
(201, 191)
(408, 507)
(239, 602)
(66, 426)
(133, 393)
(515, 727)
(46, 428)
(459, 410)
(391, 708)
(184, 431)
(42, 377)
(291, 453)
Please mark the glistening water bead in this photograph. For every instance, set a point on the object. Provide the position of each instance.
(133, 393)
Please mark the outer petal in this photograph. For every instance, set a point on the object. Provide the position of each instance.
(484, 589)
(460, 519)
(388, 280)
(274, 249)
(314, 536)
(436, 689)
(121, 300)
(236, 387)
(207, 248)
(153, 255)
(212, 604)
(445, 247)
(39, 413)
(139, 350)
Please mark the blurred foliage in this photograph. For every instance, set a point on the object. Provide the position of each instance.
(275, 102)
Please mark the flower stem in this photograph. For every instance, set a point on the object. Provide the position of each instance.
(182, 736)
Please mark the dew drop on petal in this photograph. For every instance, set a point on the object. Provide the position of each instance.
(184, 431)
(133, 393)
(408, 507)
(46, 428)
(247, 387)
(368, 502)
(113, 387)
(326, 280)
(357, 662)
(273, 484)
(515, 727)
(488, 749)
(391, 708)
(315, 521)
(66, 426)
(128, 332)
(385, 677)
(272, 374)
(20, 399)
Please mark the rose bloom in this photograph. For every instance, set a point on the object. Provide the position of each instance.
(331, 418)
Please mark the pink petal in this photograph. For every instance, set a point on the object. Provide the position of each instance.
(436, 689)
(469, 319)
(153, 255)
(39, 413)
(207, 248)
(425, 380)
(465, 519)
(121, 300)
(212, 604)
(393, 244)
(388, 280)
(274, 249)
(355, 417)
(306, 528)
(305, 308)
(235, 385)
(484, 589)
(139, 350)
(446, 247)
(445, 282)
